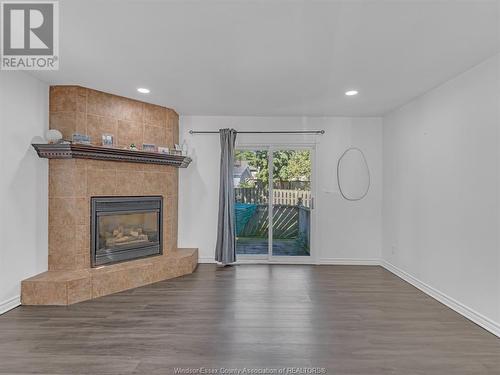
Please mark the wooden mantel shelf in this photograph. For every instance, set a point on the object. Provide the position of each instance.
(81, 151)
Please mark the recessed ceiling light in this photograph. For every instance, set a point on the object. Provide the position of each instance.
(143, 90)
(351, 93)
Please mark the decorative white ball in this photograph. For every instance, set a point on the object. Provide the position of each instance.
(53, 136)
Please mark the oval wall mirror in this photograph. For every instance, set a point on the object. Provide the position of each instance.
(353, 175)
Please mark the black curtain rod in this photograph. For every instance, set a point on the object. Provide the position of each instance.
(261, 132)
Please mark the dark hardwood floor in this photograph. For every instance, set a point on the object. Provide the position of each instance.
(348, 319)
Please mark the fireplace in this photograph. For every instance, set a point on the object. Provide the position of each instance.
(125, 228)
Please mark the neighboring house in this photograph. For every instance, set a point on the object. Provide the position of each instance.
(241, 173)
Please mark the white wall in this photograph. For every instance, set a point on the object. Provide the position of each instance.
(23, 195)
(441, 192)
(347, 232)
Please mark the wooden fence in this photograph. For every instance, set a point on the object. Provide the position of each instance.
(288, 222)
(284, 197)
(304, 224)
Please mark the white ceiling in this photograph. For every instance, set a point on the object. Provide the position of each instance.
(270, 57)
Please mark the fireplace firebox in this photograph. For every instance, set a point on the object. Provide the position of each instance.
(125, 228)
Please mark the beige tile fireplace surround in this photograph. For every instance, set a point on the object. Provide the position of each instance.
(73, 182)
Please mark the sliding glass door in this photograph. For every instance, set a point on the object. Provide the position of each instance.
(251, 192)
(273, 205)
(291, 203)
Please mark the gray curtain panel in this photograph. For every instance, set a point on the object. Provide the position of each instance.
(225, 250)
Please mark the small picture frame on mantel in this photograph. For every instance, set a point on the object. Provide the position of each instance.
(177, 149)
(80, 138)
(107, 140)
(148, 147)
(163, 150)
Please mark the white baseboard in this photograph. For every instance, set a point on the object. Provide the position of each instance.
(453, 304)
(276, 261)
(350, 261)
(9, 304)
(206, 260)
(330, 261)
(325, 261)
(252, 261)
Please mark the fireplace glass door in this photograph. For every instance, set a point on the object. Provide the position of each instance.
(125, 228)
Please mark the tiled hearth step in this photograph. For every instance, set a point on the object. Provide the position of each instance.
(72, 286)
